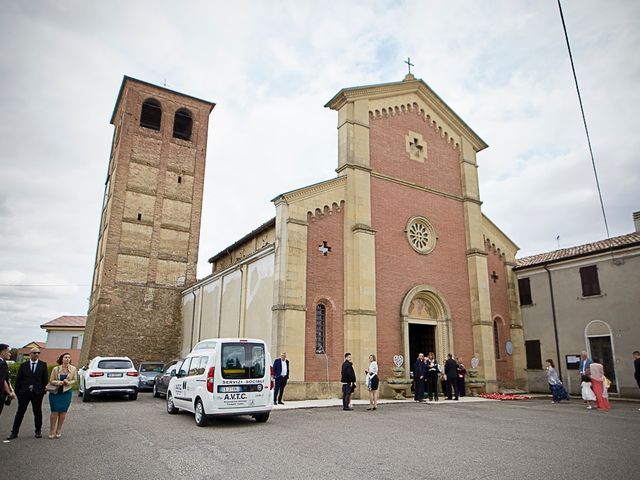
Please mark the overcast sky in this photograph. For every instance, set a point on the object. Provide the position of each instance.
(270, 67)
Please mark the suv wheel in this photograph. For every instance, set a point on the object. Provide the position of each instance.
(155, 391)
(261, 418)
(86, 396)
(171, 408)
(133, 396)
(199, 414)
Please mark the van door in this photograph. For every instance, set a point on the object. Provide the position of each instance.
(244, 376)
(180, 398)
(196, 379)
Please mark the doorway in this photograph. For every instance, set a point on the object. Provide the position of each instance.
(422, 339)
(602, 351)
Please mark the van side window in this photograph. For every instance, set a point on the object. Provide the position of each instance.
(195, 366)
(203, 364)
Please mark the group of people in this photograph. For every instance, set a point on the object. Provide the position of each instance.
(32, 383)
(594, 385)
(427, 371)
(348, 380)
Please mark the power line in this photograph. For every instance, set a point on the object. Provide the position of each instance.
(584, 121)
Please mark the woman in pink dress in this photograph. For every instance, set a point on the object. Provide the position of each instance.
(597, 378)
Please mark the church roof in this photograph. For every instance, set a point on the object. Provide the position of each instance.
(601, 246)
(265, 226)
(409, 85)
(66, 321)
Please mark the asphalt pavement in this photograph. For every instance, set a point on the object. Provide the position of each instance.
(470, 439)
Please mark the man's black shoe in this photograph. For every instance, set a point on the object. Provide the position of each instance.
(38, 435)
(12, 436)
(347, 408)
(280, 403)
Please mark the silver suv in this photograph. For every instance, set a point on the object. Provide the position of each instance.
(106, 375)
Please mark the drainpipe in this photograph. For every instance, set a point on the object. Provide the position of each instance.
(193, 319)
(555, 322)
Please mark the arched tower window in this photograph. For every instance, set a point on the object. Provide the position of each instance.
(182, 124)
(151, 115)
(321, 328)
(496, 339)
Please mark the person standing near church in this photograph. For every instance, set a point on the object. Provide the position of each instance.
(419, 375)
(432, 376)
(585, 362)
(636, 366)
(348, 379)
(281, 372)
(64, 375)
(30, 388)
(372, 382)
(451, 371)
(5, 385)
(462, 373)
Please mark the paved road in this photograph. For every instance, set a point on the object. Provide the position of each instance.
(118, 439)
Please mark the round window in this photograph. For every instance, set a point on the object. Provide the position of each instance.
(421, 235)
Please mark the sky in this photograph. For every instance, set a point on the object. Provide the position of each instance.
(270, 67)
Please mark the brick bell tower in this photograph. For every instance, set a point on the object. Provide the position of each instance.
(148, 240)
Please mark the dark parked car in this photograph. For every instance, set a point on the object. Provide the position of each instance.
(161, 382)
(148, 373)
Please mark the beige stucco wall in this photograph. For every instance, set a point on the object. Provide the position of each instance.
(617, 307)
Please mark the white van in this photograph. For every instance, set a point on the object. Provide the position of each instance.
(224, 377)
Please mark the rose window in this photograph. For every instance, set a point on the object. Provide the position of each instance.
(421, 235)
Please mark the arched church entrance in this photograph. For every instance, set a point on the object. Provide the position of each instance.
(426, 324)
(599, 342)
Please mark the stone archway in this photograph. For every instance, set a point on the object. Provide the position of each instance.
(424, 305)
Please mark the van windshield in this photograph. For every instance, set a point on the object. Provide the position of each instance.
(243, 360)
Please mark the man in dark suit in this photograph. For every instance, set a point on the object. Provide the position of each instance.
(419, 375)
(5, 386)
(348, 380)
(281, 372)
(31, 381)
(451, 372)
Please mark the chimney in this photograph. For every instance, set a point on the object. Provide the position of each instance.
(636, 221)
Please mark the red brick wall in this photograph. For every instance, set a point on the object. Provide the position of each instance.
(325, 283)
(440, 170)
(500, 312)
(398, 267)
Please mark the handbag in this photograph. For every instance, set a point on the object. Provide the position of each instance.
(52, 389)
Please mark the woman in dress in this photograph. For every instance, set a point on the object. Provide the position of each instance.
(462, 373)
(372, 382)
(596, 372)
(557, 389)
(65, 376)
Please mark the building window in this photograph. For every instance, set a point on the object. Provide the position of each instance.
(151, 115)
(534, 358)
(589, 279)
(74, 343)
(321, 326)
(421, 235)
(182, 124)
(496, 339)
(524, 287)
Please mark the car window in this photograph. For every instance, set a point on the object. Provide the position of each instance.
(243, 360)
(184, 368)
(151, 367)
(115, 364)
(205, 345)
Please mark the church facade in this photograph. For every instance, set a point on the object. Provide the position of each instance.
(392, 257)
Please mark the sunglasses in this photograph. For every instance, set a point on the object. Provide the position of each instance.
(36, 353)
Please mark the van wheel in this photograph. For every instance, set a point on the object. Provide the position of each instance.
(171, 408)
(199, 414)
(263, 417)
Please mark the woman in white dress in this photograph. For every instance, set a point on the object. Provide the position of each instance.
(372, 382)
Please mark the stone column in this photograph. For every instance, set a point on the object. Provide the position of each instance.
(517, 332)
